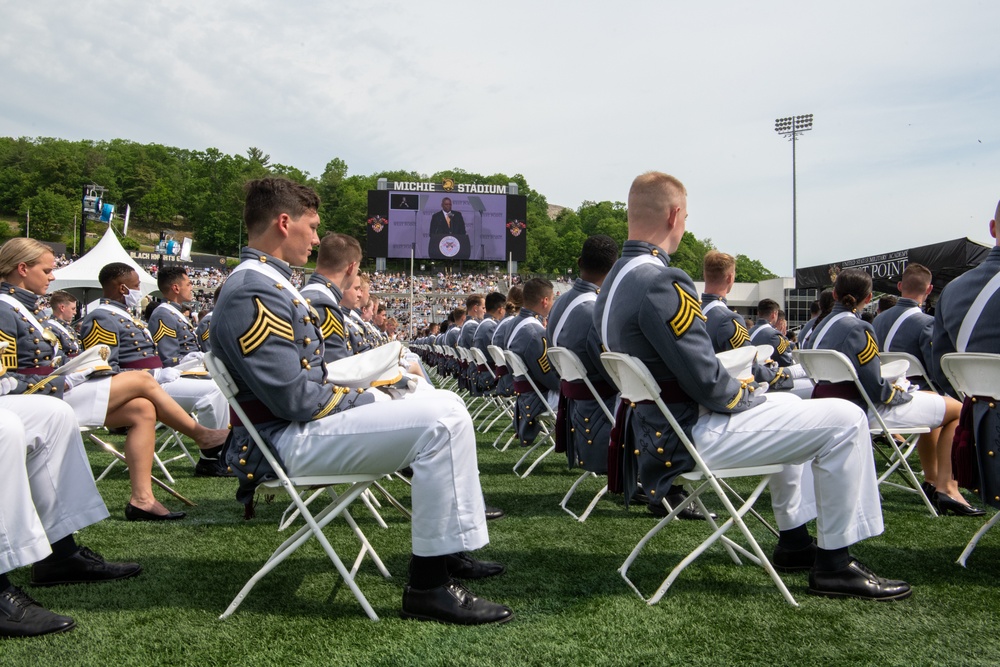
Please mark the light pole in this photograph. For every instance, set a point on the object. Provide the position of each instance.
(791, 127)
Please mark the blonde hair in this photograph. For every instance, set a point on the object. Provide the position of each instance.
(21, 251)
(652, 194)
(717, 265)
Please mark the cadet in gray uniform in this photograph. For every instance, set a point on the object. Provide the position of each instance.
(515, 298)
(844, 331)
(172, 331)
(905, 327)
(582, 428)
(267, 336)
(475, 307)
(967, 319)
(133, 348)
(494, 304)
(201, 331)
(527, 339)
(336, 267)
(63, 306)
(764, 332)
(649, 310)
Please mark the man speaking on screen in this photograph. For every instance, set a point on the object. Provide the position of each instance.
(447, 222)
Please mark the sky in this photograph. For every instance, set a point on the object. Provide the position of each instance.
(579, 97)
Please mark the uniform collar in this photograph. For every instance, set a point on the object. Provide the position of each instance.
(635, 248)
(27, 299)
(841, 308)
(907, 303)
(320, 279)
(582, 285)
(256, 255)
(705, 298)
(528, 312)
(116, 304)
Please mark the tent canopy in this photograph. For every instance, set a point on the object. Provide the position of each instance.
(946, 261)
(80, 277)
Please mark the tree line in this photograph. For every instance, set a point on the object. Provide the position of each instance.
(201, 192)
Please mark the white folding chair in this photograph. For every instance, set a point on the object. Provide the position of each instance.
(636, 383)
(313, 524)
(974, 374)
(916, 368)
(571, 369)
(500, 361)
(498, 402)
(519, 368)
(833, 366)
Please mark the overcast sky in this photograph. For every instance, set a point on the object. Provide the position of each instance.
(579, 97)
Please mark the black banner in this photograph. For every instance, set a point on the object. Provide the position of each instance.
(378, 222)
(517, 228)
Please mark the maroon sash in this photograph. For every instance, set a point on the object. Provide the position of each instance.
(523, 387)
(846, 390)
(256, 411)
(36, 370)
(142, 364)
(501, 371)
(964, 458)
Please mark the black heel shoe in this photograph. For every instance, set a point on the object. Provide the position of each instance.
(946, 504)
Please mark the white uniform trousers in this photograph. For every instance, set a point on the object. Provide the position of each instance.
(925, 409)
(47, 489)
(837, 483)
(201, 396)
(430, 431)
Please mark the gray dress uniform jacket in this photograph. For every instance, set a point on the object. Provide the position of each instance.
(485, 382)
(762, 333)
(531, 344)
(586, 430)
(68, 341)
(324, 296)
(955, 302)
(131, 343)
(201, 331)
(173, 334)
(914, 334)
(654, 314)
(271, 343)
(728, 331)
(29, 352)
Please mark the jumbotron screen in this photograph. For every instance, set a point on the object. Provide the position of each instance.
(445, 225)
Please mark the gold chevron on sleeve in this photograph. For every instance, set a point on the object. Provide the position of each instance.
(331, 325)
(688, 310)
(782, 345)
(164, 330)
(338, 394)
(870, 351)
(740, 336)
(204, 336)
(543, 361)
(9, 355)
(266, 324)
(98, 335)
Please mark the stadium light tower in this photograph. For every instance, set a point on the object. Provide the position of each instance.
(791, 127)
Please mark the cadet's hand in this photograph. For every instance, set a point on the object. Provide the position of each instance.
(7, 385)
(166, 375)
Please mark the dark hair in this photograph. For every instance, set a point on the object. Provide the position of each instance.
(494, 300)
(60, 297)
(267, 198)
(852, 286)
(336, 251)
(473, 300)
(598, 255)
(535, 290)
(515, 299)
(112, 272)
(825, 303)
(168, 276)
(886, 301)
(814, 308)
(767, 307)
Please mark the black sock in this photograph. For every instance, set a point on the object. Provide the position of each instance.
(5, 582)
(830, 560)
(428, 572)
(674, 490)
(795, 538)
(212, 453)
(63, 548)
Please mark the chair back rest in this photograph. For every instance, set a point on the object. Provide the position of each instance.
(973, 373)
(478, 356)
(516, 364)
(916, 368)
(221, 375)
(497, 354)
(567, 364)
(631, 376)
(827, 366)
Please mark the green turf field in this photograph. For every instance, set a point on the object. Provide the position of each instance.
(572, 607)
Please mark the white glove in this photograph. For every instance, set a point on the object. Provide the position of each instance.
(76, 378)
(193, 356)
(166, 375)
(7, 385)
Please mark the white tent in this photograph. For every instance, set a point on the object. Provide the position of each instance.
(80, 277)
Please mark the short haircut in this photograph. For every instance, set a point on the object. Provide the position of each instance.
(767, 307)
(916, 278)
(599, 254)
(59, 297)
(814, 308)
(782, 316)
(886, 301)
(717, 265)
(267, 198)
(168, 276)
(473, 300)
(113, 272)
(494, 300)
(336, 251)
(652, 194)
(381, 307)
(535, 290)
(457, 314)
(365, 280)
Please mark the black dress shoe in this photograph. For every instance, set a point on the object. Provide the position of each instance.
(21, 616)
(452, 603)
(463, 566)
(689, 513)
(493, 513)
(946, 504)
(211, 468)
(85, 566)
(794, 560)
(929, 490)
(133, 513)
(856, 581)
